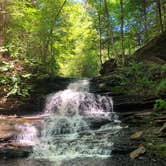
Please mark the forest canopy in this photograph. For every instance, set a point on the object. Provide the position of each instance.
(74, 37)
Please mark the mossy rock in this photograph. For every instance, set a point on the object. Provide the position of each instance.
(160, 149)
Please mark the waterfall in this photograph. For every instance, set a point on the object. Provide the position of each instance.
(78, 124)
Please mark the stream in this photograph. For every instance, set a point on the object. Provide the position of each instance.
(75, 128)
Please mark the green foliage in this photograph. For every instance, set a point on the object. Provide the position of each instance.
(160, 105)
(4, 66)
(159, 147)
(163, 71)
(161, 87)
(18, 85)
(62, 38)
(13, 80)
(135, 75)
(54, 34)
(147, 79)
(80, 45)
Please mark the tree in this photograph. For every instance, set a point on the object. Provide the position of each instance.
(100, 33)
(3, 17)
(122, 33)
(161, 28)
(145, 19)
(110, 32)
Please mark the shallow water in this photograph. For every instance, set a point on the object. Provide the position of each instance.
(119, 160)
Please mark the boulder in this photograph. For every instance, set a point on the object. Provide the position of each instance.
(154, 51)
(108, 67)
(7, 131)
(163, 129)
(9, 150)
(137, 136)
(136, 153)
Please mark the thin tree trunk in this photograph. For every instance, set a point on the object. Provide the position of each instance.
(108, 49)
(160, 15)
(129, 48)
(100, 31)
(145, 20)
(2, 22)
(164, 14)
(122, 33)
(111, 36)
(58, 13)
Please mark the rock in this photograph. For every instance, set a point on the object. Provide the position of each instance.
(163, 130)
(136, 153)
(108, 66)
(154, 51)
(9, 150)
(160, 120)
(123, 148)
(7, 131)
(137, 136)
(30, 119)
(122, 102)
(9, 147)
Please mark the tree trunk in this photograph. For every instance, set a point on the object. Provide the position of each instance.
(100, 31)
(108, 49)
(161, 28)
(145, 20)
(2, 21)
(164, 13)
(110, 32)
(122, 33)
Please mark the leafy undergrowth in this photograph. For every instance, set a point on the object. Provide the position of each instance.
(160, 105)
(17, 80)
(155, 135)
(160, 149)
(137, 78)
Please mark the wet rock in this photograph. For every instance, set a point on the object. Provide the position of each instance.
(136, 153)
(160, 120)
(7, 131)
(12, 150)
(162, 132)
(123, 148)
(163, 129)
(137, 136)
(97, 122)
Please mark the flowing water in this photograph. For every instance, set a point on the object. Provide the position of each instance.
(78, 124)
(75, 128)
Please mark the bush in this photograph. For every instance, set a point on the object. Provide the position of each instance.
(163, 71)
(160, 105)
(161, 87)
(139, 77)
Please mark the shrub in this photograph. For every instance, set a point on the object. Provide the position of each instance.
(161, 87)
(163, 71)
(160, 105)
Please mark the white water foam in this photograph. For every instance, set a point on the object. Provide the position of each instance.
(27, 134)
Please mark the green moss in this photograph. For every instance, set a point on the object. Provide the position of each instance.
(160, 149)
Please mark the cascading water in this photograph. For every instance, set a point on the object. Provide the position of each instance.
(79, 124)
